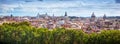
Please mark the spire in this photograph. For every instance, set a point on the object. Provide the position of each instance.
(11, 15)
(53, 15)
(104, 17)
(46, 13)
(65, 13)
(38, 14)
(93, 15)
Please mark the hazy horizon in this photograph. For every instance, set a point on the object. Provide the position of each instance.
(82, 8)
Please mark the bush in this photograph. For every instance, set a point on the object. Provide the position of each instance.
(24, 33)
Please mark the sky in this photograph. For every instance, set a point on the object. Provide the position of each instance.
(79, 8)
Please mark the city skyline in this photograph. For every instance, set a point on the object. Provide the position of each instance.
(82, 8)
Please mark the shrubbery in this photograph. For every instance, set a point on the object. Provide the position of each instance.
(23, 33)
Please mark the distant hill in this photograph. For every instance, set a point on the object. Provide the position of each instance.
(118, 17)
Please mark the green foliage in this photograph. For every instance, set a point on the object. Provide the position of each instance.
(24, 33)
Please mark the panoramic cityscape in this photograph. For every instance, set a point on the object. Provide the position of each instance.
(59, 21)
(87, 24)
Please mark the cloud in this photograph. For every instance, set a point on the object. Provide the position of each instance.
(117, 1)
(16, 1)
(73, 7)
(7, 8)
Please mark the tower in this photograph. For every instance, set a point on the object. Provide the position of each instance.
(53, 17)
(104, 17)
(66, 18)
(93, 15)
(65, 14)
(11, 15)
(38, 15)
(46, 14)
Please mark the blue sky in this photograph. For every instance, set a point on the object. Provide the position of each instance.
(58, 7)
